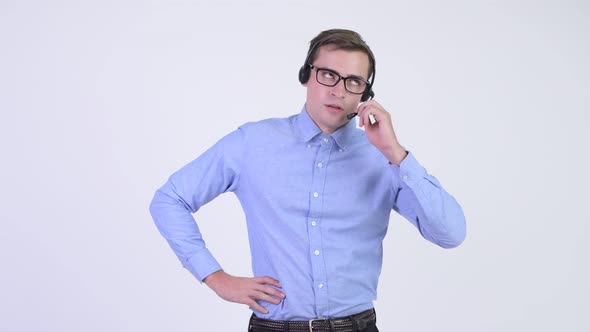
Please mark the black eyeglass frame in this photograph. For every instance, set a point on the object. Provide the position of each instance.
(317, 69)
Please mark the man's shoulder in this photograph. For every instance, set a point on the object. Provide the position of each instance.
(268, 126)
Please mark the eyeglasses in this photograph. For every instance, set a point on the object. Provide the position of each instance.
(328, 77)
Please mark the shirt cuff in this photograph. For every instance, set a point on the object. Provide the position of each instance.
(202, 264)
(409, 171)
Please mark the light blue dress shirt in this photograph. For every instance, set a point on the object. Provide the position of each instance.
(317, 208)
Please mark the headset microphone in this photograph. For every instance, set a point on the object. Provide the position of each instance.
(371, 94)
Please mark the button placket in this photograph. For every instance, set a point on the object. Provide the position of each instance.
(318, 265)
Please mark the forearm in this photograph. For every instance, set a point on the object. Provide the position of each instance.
(424, 202)
(194, 185)
(395, 155)
(175, 222)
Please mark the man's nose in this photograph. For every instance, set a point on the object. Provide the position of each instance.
(339, 90)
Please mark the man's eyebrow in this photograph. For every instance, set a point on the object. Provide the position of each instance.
(349, 76)
(357, 77)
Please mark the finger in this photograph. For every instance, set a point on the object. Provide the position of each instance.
(374, 114)
(255, 306)
(360, 111)
(367, 109)
(367, 115)
(268, 280)
(271, 291)
(372, 119)
(260, 296)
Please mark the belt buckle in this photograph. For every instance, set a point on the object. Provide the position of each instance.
(311, 323)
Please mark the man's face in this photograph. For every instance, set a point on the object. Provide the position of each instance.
(329, 105)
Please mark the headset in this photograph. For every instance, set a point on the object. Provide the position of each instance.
(305, 70)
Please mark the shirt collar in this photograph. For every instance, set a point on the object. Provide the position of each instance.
(344, 135)
(308, 130)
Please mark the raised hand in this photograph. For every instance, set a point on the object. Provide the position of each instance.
(381, 133)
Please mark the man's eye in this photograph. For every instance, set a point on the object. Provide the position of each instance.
(328, 75)
(355, 82)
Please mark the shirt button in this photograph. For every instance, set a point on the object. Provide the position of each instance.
(317, 252)
(313, 223)
(320, 165)
(315, 195)
(405, 176)
(308, 146)
(325, 140)
(340, 150)
(320, 285)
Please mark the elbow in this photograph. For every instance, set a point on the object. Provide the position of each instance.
(456, 229)
(455, 236)
(158, 207)
(154, 204)
(154, 209)
(449, 232)
(452, 242)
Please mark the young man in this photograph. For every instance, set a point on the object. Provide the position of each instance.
(317, 193)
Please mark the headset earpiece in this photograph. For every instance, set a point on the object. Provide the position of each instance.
(368, 94)
(304, 73)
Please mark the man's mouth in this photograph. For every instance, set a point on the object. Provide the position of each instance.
(334, 107)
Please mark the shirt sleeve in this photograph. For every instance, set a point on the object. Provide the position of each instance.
(422, 200)
(214, 172)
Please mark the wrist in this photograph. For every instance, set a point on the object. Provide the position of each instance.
(213, 279)
(396, 155)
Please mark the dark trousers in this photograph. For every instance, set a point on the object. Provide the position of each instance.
(361, 322)
(372, 328)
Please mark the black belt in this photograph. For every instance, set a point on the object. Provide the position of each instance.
(345, 324)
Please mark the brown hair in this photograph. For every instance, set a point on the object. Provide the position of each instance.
(340, 39)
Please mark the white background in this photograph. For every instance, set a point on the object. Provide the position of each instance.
(101, 101)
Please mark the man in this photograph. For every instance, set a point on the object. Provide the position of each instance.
(317, 193)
